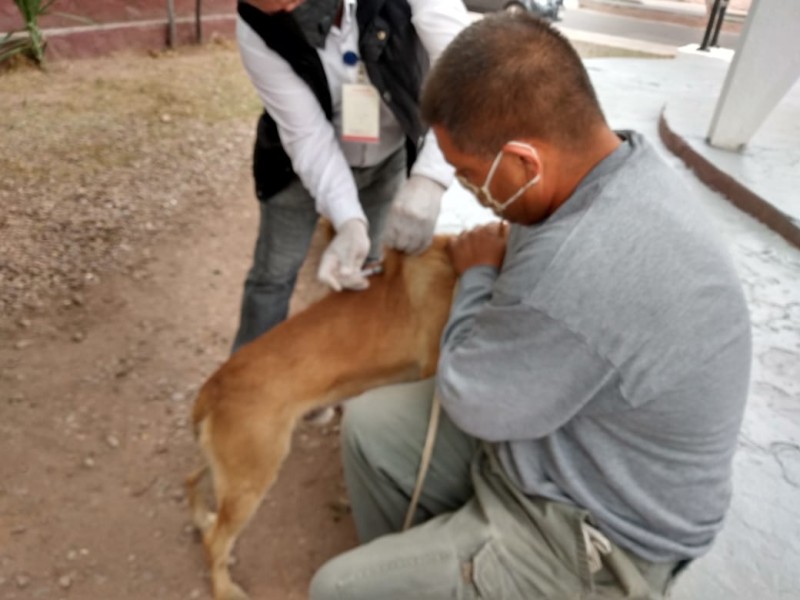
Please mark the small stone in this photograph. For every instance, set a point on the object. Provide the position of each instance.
(112, 441)
(78, 337)
(65, 581)
(22, 344)
(24, 323)
(195, 594)
(72, 555)
(88, 462)
(165, 118)
(178, 397)
(84, 552)
(22, 580)
(19, 529)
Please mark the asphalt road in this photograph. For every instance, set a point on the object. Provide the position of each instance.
(648, 30)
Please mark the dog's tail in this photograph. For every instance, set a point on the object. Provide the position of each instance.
(203, 404)
(202, 517)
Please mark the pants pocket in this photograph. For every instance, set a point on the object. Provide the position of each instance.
(492, 576)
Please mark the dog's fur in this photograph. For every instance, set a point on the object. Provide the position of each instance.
(337, 348)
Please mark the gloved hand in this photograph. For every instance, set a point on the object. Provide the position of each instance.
(342, 260)
(412, 217)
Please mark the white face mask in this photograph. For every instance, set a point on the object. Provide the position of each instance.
(484, 195)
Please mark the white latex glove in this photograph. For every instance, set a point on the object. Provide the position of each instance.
(412, 217)
(342, 260)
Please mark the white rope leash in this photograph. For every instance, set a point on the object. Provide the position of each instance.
(425, 460)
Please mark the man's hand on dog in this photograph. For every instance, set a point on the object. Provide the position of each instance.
(483, 245)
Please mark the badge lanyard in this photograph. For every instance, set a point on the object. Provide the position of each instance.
(360, 106)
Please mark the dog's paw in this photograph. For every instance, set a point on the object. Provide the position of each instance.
(232, 592)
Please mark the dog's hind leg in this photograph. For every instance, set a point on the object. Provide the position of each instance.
(244, 463)
(234, 512)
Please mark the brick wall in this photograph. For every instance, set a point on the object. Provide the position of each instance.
(79, 28)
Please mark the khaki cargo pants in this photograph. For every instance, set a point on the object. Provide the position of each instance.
(477, 536)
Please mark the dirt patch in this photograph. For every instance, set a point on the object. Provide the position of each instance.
(126, 228)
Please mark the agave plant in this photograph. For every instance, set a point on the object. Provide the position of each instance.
(34, 43)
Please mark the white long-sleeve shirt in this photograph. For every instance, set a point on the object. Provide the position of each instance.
(319, 156)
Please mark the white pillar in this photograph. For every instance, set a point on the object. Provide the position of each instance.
(764, 68)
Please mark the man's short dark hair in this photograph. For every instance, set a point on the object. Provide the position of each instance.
(508, 76)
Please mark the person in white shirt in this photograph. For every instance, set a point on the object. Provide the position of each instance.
(340, 137)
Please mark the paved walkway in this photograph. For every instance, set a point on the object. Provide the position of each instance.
(757, 554)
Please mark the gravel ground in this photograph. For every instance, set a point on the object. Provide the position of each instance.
(99, 158)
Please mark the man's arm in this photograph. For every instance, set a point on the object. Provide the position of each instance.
(416, 206)
(477, 255)
(436, 22)
(510, 372)
(306, 134)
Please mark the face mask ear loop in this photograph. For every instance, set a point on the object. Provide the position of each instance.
(502, 207)
(485, 187)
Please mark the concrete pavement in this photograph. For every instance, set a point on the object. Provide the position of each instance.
(758, 551)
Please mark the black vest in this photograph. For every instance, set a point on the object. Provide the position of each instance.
(389, 47)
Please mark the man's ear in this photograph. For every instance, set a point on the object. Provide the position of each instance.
(529, 155)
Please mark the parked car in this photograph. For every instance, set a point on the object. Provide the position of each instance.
(547, 9)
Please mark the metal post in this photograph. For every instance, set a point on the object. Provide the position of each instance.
(722, 8)
(171, 31)
(712, 17)
(198, 21)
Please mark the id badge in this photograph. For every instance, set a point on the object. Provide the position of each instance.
(360, 113)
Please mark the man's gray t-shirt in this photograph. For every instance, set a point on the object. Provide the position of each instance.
(609, 358)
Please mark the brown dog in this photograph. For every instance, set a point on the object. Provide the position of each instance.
(337, 348)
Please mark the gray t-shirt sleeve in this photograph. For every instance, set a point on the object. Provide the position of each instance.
(511, 372)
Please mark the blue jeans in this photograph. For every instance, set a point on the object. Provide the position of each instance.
(287, 223)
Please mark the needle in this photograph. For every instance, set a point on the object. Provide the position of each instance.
(372, 269)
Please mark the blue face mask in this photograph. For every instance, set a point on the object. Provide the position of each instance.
(483, 194)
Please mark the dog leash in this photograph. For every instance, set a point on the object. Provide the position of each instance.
(376, 268)
(425, 459)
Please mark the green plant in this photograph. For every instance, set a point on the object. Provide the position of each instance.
(34, 42)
